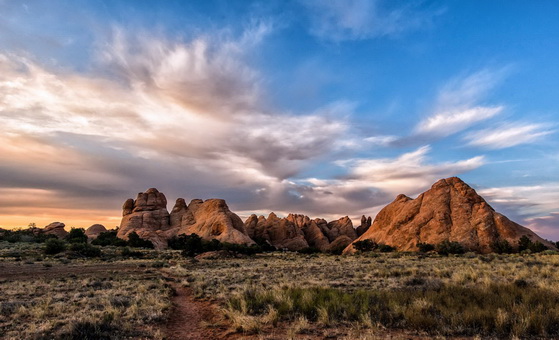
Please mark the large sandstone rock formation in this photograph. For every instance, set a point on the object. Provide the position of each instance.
(55, 228)
(94, 231)
(296, 232)
(210, 219)
(147, 215)
(450, 210)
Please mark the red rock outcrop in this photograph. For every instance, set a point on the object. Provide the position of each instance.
(94, 231)
(210, 219)
(296, 232)
(279, 232)
(147, 215)
(450, 210)
(55, 228)
(365, 225)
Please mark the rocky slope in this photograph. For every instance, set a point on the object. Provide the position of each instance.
(450, 210)
(93, 231)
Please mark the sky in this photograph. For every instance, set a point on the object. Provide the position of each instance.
(326, 108)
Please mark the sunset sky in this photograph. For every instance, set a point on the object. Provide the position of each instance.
(326, 108)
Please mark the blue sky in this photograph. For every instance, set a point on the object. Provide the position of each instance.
(327, 108)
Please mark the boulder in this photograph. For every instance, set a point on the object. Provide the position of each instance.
(450, 210)
(55, 228)
(94, 231)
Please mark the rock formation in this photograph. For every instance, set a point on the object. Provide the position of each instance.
(94, 231)
(210, 219)
(365, 225)
(279, 232)
(296, 232)
(55, 228)
(450, 210)
(147, 216)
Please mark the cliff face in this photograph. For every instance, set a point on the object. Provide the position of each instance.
(450, 210)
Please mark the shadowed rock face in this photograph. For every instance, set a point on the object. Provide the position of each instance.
(94, 231)
(450, 210)
(296, 232)
(55, 228)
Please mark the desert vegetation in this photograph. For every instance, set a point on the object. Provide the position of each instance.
(124, 291)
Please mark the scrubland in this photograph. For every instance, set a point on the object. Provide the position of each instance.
(281, 295)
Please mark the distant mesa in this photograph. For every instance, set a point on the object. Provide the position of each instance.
(450, 210)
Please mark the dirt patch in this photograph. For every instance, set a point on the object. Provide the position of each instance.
(193, 319)
(13, 272)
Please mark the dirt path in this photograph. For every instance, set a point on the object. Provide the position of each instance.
(191, 319)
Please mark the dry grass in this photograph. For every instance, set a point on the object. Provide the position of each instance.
(402, 291)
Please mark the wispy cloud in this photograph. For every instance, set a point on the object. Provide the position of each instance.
(339, 20)
(508, 135)
(458, 105)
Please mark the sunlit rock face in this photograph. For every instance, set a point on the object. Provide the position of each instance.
(147, 215)
(296, 232)
(55, 228)
(210, 219)
(450, 210)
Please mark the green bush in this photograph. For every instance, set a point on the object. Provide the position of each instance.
(126, 252)
(425, 247)
(85, 250)
(309, 250)
(109, 238)
(54, 246)
(76, 235)
(385, 248)
(524, 244)
(449, 247)
(365, 245)
(134, 240)
(502, 247)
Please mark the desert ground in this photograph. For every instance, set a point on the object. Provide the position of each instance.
(151, 294)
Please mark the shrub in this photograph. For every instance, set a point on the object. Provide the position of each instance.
(502, 247)
(134, 240)
(450, 247)
(109, 238)
(54, 246)
(385, 248)
(126, 252)
(365, 245)
(425, 247)
(265, 246)
(85, 250)
(76, 235)
(524, 244)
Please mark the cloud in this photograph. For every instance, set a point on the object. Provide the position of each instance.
(339, 20)
(508, 135)
(186, 117)
(528, 205)
(458, 105)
